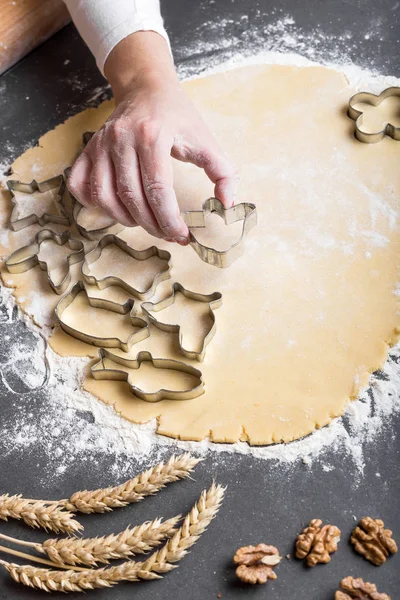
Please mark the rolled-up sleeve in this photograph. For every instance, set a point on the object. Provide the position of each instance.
(104, 23)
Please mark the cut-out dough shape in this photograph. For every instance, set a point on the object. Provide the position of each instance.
(188, 381)
(214, 301)
(358, 115)
(100, 315)
(39, 206)
(28, 257)
(135, 255)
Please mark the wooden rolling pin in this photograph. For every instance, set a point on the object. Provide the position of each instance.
(24, 24)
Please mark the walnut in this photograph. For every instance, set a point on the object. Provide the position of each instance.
(317, 542)
(357, 588)
(256, 563)
(373, 541)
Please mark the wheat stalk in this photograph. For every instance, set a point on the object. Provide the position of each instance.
(147, 483)
(91, 551)
(159, 563)
(38, 513)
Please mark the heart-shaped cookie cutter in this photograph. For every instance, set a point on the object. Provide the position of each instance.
(100, 371)
(357, 115)
(57, 182)
(102, 342)
(111, 280)
(245, 212)
(26, 258)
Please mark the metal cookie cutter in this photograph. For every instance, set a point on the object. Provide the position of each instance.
(214, 300)
(111, 280)
(30, 188)
(100, 371)
(26, 258)
(245, 212)
(90, 234)
(357, 115)
(106, 342)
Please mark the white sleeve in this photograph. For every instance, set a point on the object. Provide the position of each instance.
(104, 23)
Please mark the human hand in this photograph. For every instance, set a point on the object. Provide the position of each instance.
(126, 168)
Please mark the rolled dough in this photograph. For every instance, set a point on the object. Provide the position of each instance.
(310, 310)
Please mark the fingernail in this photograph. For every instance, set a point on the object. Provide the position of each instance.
(182, 241)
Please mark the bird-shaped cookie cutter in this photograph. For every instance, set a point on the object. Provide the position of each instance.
(245, 212)
(26, 258)
(357, 115)
(101, 372)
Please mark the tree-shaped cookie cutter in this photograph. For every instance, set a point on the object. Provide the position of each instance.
(357, 115)
(111, 280)
(213, 300)
(30, 188)
(245, 212)
(102, 342)
(26, 258)
(158, 363)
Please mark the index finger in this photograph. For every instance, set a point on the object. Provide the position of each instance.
(217, 167)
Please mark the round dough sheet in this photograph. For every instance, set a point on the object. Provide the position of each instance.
(310, 309)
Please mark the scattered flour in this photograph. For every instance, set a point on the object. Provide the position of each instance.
(74, 424)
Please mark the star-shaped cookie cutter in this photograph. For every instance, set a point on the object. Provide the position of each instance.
(213, 300)
(26, 258)
(30, 188)
(102, 342)
(111, 280)
(101, 372)
(245, 212)
(357, 115)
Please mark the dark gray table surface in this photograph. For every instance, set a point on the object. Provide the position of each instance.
(265, 501)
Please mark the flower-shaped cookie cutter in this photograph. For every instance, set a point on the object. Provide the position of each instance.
(111, 280)
(26, 258)
(357, 115)
(102, 342)
(100, 371)
(214, 301)
(58, 182)
(245, 212)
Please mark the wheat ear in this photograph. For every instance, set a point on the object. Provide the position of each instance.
(37, 513)
(91, 551)
(159, 563)
(147, 483)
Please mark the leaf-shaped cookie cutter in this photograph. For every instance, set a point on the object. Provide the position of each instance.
(27, 257)
(16, 223)
(111, 280)
(245, 212)
(102, 342)
(213, 300)
(158, 363)
(357, 115)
